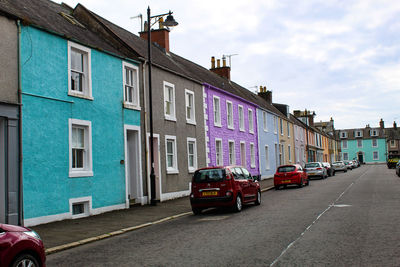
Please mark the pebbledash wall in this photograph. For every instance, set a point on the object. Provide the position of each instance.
(225, 134)
(49, 191)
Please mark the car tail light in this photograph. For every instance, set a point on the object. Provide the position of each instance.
(319, 168)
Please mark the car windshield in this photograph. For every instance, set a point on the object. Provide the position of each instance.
(286, 169)
(209, 175)
(312, 165)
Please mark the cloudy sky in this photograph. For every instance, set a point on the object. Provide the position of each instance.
(339, 58)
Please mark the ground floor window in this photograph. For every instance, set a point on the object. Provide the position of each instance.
(345, 156)
(171, 154)
(375, 155)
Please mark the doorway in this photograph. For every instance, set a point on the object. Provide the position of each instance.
(360, 157)
(133, 166)
(157, 167)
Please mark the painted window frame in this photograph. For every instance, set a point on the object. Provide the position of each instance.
(289, 153)
(191, 120)
(193, 141)
(87, 170)
(358, 134)
(265, 121)
(217, 112)
(267, 163)
(377, 155)
(359, 143)
(252, 155)
(343, 134)
(229, 115)
(251, 120)
(243, 161)
(288, 129)
(345, 156)
(87, 73)
(376, 142)
(275, 125)
(343, 144)
(172, 116)
(86, 201)
(231, 154)
(128, 104)
(241, 118)
(281, 126)
(219, 157)
(174, 169)
(374, 132)
(392, 143)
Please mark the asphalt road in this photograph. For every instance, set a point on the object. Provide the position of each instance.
(350, 219)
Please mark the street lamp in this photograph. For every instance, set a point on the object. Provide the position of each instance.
(169, 22)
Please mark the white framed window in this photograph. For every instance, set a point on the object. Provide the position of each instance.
(281, 126)
(374, 143)
(345, 156)
(277, 162)
(243, 153)
(218, 152)
(392, 143)
(241, 118)
(288, 129)
(192, 154)
(344, 144)
(217, 111)
(252, 156)
(343, 134)
(190, 110)
(229, 114)
(231, 149)
(267, 164)
(171, 154)
(358, 133)
(359, 143)
(80, 207)
(374, 132)
(79, 71)
(131, 85)
(265, 121)
(80, 148)
(289, 153)
(251, 120)
(281, 156)
(275, 125)
(375, 155)
(169, 101)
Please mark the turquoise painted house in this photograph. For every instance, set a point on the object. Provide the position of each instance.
(368, 145)
(81, 117)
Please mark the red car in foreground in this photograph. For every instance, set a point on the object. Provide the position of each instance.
(20, 246)
(290, 174)
(230, 186)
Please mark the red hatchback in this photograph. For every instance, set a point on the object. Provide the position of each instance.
(20, 246)
(230, 186)
(290, 174)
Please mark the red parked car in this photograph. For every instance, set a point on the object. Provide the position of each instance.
(20, 246)
(230, 186)
(290, 174)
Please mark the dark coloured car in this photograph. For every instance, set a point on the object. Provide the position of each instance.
(329, 169)
(20, 246)
(289, 175)
(315, 169)
(230, 186)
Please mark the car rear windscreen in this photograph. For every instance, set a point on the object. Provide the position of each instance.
(209, 175)
(312, 165)
(286, 169)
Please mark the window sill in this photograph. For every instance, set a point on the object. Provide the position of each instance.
(231, 128)
(251, 132)
(192, 170)
(172, 171)
(242, 130)
(266, 131)
(170, 118)
(218, 125)
(191, 122)
(75, 94)
(252, 166)
(128, 105)
(80, 173)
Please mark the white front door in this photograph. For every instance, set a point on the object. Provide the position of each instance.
(133, 165)
(156, 151)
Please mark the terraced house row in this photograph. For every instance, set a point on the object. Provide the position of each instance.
(74, 117)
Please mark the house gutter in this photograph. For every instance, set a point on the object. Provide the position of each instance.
(146, 142)
(20, 197)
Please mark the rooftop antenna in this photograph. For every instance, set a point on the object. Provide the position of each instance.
(229, 56)
(141, 20)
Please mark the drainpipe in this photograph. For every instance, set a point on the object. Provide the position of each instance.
(20, 197)
(146, 144)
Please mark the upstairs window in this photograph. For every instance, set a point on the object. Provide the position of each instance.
(343, 134)
(288, 129)
(229, 114)
(80, 148)
(131, 85)
(265, 122)
(281, 125)
(190, 112)
(241, 118)
(344, 144)
(374, 143)
(358, 134)
(251, 121)
(392, 143)
(374, 132)
(359, 143)
(275, 125)
(169, 101)
(217, 111)
(79, 71)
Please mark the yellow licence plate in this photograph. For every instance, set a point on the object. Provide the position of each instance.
(286, 181)
(209, 193)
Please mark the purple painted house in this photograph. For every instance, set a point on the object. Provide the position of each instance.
(231, 129)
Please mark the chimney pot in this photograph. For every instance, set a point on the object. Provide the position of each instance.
(223, 61)
(218, 63)
(212, 62)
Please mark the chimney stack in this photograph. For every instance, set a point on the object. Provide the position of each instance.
(223, 71)
(382, 124)
(159, 36)
(394, 125)
(266, 95)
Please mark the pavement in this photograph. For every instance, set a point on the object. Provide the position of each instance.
(66, 234)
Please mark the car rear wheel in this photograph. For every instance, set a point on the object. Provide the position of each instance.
(308, 182)
(258, 200)
(238, 204)
(276, 187)
(196, 211)
(25, 260)
(301, 183)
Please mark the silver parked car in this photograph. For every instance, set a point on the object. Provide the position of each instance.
(315, 169)
(339, 166)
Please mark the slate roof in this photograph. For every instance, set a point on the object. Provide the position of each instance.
(45, 14)
(366, 134)
(392, 133)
